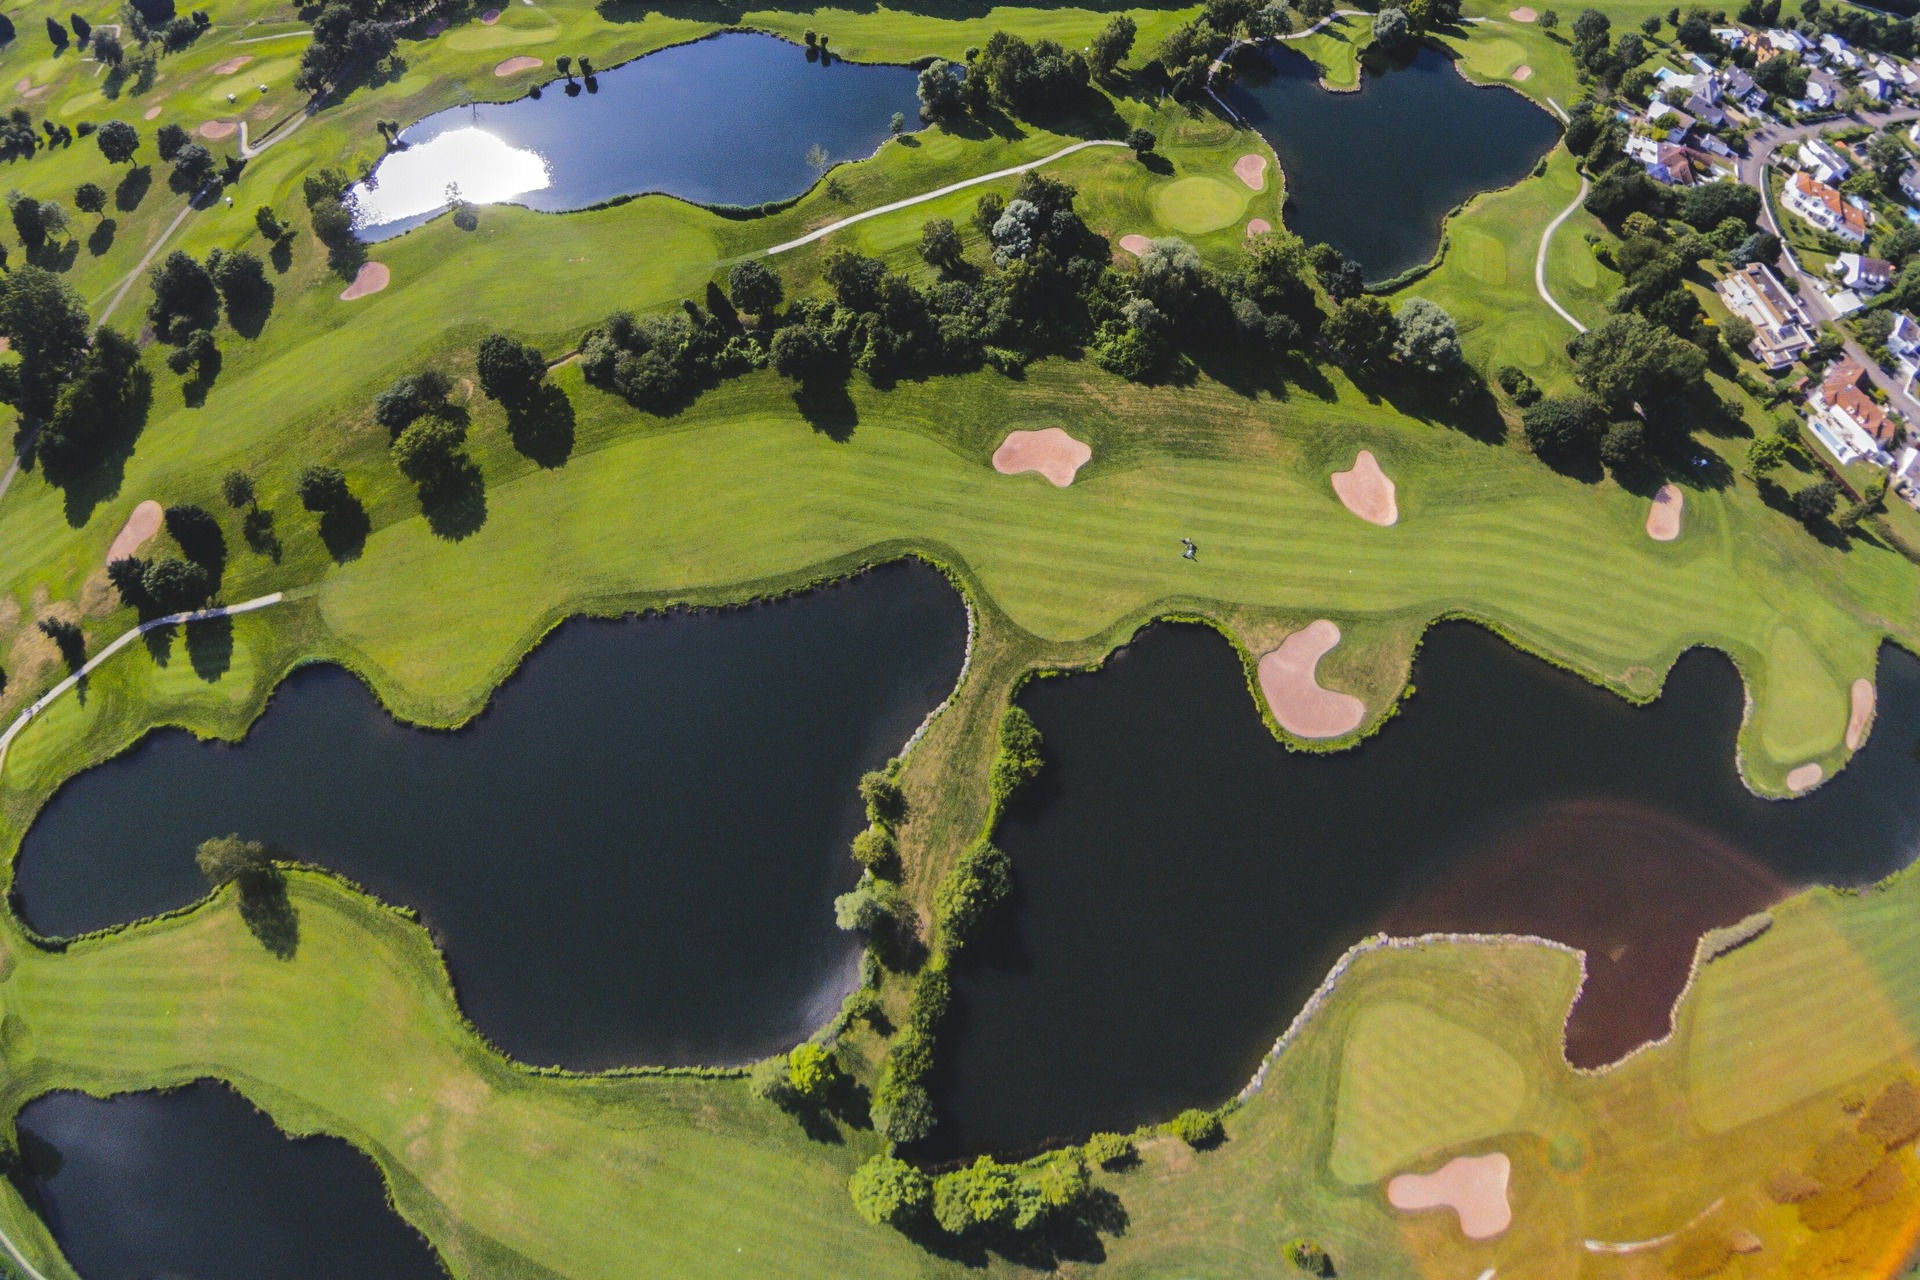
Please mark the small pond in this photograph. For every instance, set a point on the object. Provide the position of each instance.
(631, 857)
(1373, 173)
(726, 121)
(195, 1182)
(1183, 881)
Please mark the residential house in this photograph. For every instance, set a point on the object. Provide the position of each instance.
(1876, 89)
(1837, 52)
(1822, 89)
(1862, 274)
(1847, 421)
(1676, 122)
(1903, 340)
(1773, 44)
(1705, 112)
(1781, 333)
(1821, 206)
(1821, 159)
(1910, 184)
(1700, 64)
(1741, 89)
(1732, 37)
(1672, 166)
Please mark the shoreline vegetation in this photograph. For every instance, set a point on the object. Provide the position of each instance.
(683, 1158)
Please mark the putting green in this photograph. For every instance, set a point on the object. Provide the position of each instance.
(1481, 255)
(1199, 205)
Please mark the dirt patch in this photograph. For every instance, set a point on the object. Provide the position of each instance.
(371, 278)
(1052, 452)
(1299, 703)
(1663, 518)
(97, 596)
(1524, 73)
(214, 130)
(1258, 227)
(1861, 714)
(141, 525)
(490, 17)
(1366, 491)
(437, 27)
(1252, 170)
(1805, 778)
(9, 613)
(1136, 245)
(515, 65)
(1475, 1187)
(24, 86)
(232, 65)
(1523, 14)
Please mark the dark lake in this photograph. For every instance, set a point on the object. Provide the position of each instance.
(1182, 882)
(1373, 173)
(196, 1183)
(630, 858)
(727, 120)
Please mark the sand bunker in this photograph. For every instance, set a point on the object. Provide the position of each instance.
(490, 17)
(1524, 73)
(1475, 1187)
(1663, 518)
(515, 65)
(1052, 452)
(1287, 680)
(1258, 227)
(1861, 715)
(1252, 170)
(1366, 491)
(371, 278)
(214, 130)
(152, 112)
(1523, 14)
(1805, 778)
(232, 65)
(141, 525)
(1135, 245)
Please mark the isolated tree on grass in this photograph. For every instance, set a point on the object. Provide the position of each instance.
(169, 139)
(1110, 46)
(90, 197)
(322, 489)
(237, 488)
(1142, 141)
(510, 371)
(182, 289)
(229, 859)
(1816, 502)
(428, 451)
(812, 1072)
(192, 165)
(117, 141)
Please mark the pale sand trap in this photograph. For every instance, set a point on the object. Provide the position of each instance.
(437, 27)
(1805, 778)
(141, 525)
(1366, 491)
(515, 65)
(1252, 170)
(1258, 227)
(1052, 452)
(1302, 707)
(214, 130)
(152, 112)
(490, 17)
(1862, 714)
(1523, 14)
(24, 85)
(371, 278)
(1475, 1187)
(1663, 517)
(1524, 73)
(232, 65)
(1135, 245)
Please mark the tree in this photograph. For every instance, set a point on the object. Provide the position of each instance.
(1111, 1150)
(175, 585)
(1889, 158)
(875, 847)
(25, 212)
(1737, 333)
(1391, 31)
(1171, 276)
(411, 397)
(1198, 1129)
(237, 488)
(1549, 19)
(890, 1192)
(170, 139)
(798, 352)
(46, 325)
(183, 289)
(117, 141)
(1425, 336)
(510, 371)
(1709, 204)
(939, 90)
(886, 803)
(128, 576)
(229, 859)
(940, 243)
(1624, 445)
(322, 489)
(1815, 503)
(756, 288)
(192, 166)
(428, 451)
(197, 532)
(107, 49)
(1142, 141)
(90, 197)
(56, 33)
(898, 124)
(1110, 46)
(1630, 360)
(812, 1072)
(82, 29)
(241, 278)
(980, 879)
(102, 399)
(1766, 454)
(977, 1197)
(1651, 24)
(1562, 426)
(197, 351)
(1361, 329)
(53, 220)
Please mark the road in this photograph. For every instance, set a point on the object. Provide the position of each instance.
(1752, 170)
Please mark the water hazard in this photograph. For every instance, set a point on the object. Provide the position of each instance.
(631, 857)
(725, 121)
(1183, 881)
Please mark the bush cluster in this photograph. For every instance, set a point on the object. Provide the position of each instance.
(902, 1107)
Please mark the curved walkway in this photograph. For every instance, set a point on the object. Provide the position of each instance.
(935, 194)
(173, 619)
(1540, 258)
(20, 1259)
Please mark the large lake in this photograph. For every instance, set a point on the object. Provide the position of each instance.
(630, 858)
(723, 121)
(1373, 173)
(196, 1183)
(1182, 881)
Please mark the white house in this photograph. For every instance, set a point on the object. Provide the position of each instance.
(1781, 333)
(1904, 338)
(1821, 206)
(1819, 158)
(1839, 52)
(1862, 274)
(1847, 421)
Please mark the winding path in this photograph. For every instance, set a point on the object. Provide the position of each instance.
(173, 619)
(20, 1259)
(935, 194)
(1540, 258)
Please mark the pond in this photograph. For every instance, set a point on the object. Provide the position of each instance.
(723, 121)
(1182, 881)
(195, 1182)
(630, 858)
(1373, 173)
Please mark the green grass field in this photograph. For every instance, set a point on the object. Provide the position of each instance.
(1420, 1053)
